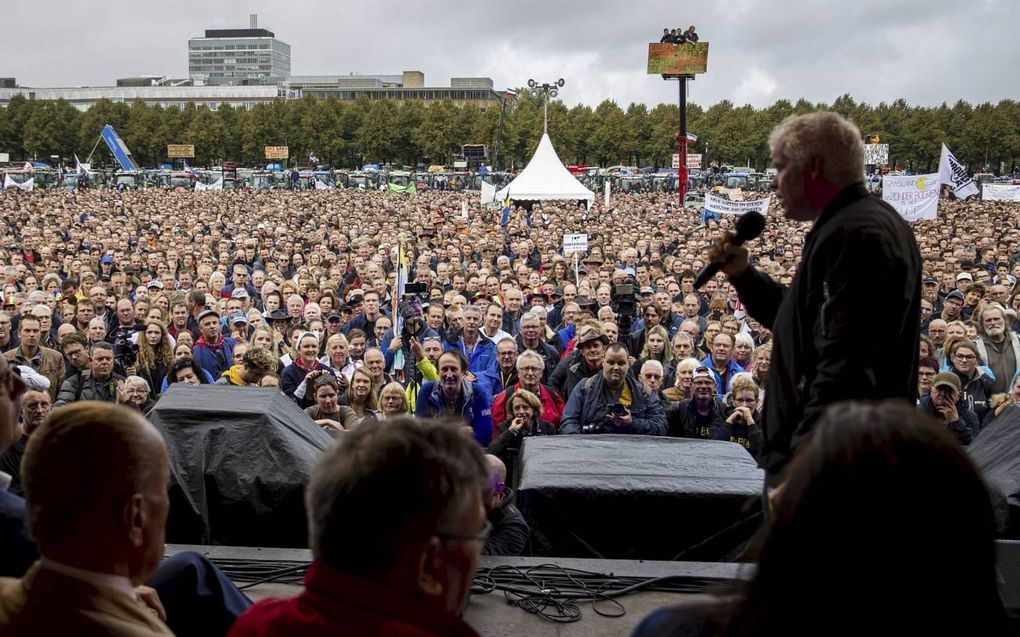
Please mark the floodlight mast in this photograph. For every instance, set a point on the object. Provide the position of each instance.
(547, 90)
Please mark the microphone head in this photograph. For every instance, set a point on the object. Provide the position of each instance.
(749, 226)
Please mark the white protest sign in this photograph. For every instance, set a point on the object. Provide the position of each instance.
(875, 154)
(714, 203)
(608, 190)
(676, 160)
(915, 197)
(1000, 192)
(575, 243)
(694, 160)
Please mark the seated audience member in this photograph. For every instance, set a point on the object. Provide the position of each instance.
(613, 401)
(134, 393)
(510, 531)
(889, 487)
(96, 478)
(948, 406)
(401, 570)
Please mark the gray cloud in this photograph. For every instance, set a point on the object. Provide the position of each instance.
(926, 51)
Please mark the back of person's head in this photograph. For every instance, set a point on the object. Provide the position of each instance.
(883, 521)
(381, 497)
(95, 477)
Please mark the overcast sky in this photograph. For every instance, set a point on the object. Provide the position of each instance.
(926, 51)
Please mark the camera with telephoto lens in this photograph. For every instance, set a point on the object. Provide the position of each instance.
(124, 351)
(625, 298)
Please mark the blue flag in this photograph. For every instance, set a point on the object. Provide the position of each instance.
(506, 212)
(707, 214)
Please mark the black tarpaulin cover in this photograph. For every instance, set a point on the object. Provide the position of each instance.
(634, 497)
(996, 452)
(240, 458)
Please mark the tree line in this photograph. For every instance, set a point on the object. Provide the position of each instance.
(347, 134)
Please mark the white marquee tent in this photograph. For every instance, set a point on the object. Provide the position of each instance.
(545, 178)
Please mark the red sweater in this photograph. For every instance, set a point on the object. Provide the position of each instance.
(335, 604)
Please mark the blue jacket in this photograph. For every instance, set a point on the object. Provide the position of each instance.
(17, 552)
(589, 405)
(474, 407)
(208, 360)
(566, 335)
(733, 368)
(482, 359)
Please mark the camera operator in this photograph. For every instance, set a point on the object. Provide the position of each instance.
(947, 404)
(613, 401)
(98, 383)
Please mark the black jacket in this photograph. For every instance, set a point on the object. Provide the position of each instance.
(846, 328)
(510, 531)
(965, 427)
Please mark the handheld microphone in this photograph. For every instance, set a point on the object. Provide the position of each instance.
(749, 226)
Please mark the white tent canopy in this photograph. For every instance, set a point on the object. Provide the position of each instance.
(545, 178)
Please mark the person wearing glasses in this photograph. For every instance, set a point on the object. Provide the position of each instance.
(530, 369)
(975, 381)
(704, 415)
(401, 570)
(947, 404)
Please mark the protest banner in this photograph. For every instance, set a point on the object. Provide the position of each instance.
(915, 197)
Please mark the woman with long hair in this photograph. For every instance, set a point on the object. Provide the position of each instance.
(883, 526)
(155, 355)
(360, 396)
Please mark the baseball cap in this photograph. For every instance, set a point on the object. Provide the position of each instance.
(930, 280)
(106, 258)
(964, 275)
(647, 290)
(238, 317)
(156, 283)
(946, 379)
(955, 294)
(703, 372)
(333, 317)
(209, 312)
(240, 293)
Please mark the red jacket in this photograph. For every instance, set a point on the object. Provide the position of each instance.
(552, 407)
(341, 605)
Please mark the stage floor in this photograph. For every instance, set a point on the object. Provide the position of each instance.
(492, 616)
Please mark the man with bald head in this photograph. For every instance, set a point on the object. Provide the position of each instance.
(95, 477)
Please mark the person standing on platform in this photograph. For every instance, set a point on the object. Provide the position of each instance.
(829, 342)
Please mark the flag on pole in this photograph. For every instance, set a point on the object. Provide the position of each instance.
(506, 212)
(511, 93)
(707, 214)
(952, 172)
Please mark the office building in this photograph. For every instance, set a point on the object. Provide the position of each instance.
(238, 57)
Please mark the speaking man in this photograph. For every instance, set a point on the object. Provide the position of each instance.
(830, 345)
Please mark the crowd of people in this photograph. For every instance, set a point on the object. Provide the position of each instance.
(116, 296)
(113, 297)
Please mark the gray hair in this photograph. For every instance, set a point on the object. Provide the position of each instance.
(654, 365)
(530, 355)
(824, 135)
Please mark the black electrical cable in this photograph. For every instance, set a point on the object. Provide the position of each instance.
(554, 592)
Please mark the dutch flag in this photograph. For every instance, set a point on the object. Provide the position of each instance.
(511, 93)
